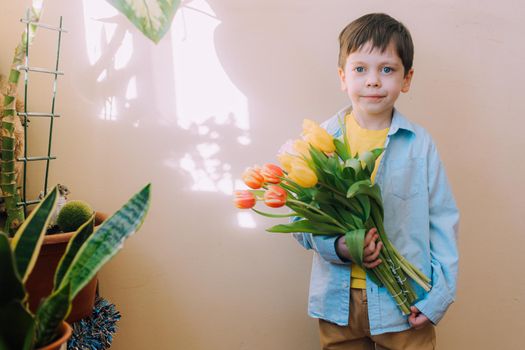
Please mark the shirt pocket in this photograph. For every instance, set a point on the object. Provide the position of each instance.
(406, 178)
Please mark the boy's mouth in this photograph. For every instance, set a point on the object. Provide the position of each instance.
(373, 97)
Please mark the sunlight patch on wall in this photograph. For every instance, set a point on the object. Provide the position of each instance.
(207, 101)
(109, 48)
(246, 220)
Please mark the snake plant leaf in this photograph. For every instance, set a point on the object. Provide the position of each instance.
(79, 237)
(51, 313)
(355, 241)
(152, 17)
(17, 327)
(307, 226)
(16, 323)
(11, 287)
(107, 240)
(28, 239)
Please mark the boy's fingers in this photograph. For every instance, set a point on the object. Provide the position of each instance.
(369, 248)
(374, 254)
(373, 264)
(371, 235)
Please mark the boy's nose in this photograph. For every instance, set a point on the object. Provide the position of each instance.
(373, 81)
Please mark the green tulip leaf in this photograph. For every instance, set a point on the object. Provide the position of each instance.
(342, 150)
(364, 201)
(306, 226)
(309, 214)
(152, 17)
(355, 242)
(270, 215)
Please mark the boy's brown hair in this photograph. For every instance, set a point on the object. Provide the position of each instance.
(380, 29)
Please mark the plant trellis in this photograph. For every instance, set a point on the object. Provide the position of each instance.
(14, 209)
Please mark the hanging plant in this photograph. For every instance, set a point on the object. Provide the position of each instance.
(151, 17)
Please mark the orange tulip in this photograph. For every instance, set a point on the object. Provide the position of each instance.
(275, 196)
(272, 173)
(253, 178)
(244, 199)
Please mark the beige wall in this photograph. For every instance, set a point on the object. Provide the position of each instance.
(222, 91)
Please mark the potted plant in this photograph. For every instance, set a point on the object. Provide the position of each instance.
(40, 282)
(86, 253)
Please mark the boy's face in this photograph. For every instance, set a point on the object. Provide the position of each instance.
(373, 81)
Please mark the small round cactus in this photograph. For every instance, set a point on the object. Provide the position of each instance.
(73, 214)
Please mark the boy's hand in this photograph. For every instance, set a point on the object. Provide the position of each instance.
(417, 319)
(371, 249)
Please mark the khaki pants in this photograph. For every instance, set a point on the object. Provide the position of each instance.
(356, 336)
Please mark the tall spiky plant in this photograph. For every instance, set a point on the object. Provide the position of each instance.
(8, 180)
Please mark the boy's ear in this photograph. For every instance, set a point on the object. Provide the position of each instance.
(407, 80)
(342, 78)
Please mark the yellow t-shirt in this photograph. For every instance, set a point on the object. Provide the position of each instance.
(362, 140)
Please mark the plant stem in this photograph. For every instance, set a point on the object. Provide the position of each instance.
(320, 212)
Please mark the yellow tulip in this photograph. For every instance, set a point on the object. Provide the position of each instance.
(302, 147)
(301, 174)
(318, 137)
(286, 161)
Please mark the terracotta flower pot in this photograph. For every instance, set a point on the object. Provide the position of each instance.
(40, 281)
(61, 342)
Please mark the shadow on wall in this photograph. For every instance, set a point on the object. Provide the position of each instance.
(179, 88)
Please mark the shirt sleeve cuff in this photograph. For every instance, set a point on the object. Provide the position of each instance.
(325, 246)
(434, 306)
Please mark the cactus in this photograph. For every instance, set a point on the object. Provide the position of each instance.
(73, 214)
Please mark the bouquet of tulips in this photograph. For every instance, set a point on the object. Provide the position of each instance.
(330, 192)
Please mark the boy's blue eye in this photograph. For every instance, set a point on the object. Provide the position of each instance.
(359, 69)
(387, 69)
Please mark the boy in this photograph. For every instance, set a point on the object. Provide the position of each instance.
(421, 218)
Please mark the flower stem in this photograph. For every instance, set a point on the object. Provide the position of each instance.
(319, 211)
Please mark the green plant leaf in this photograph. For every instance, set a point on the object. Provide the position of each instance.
(307, 226)
(367, 188)
(29, 237)
(51, 313)
(370, 157)
(107, 240)
(309, 214)
(355, 241)
(17, 327)
(11, 286)
(79, 237)
(364, 201)
(353, 164)
(270, 215)
(342, 150)
(152, 17)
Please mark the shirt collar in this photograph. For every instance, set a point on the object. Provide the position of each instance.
(398, 120)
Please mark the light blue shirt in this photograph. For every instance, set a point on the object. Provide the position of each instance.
(421, 219)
